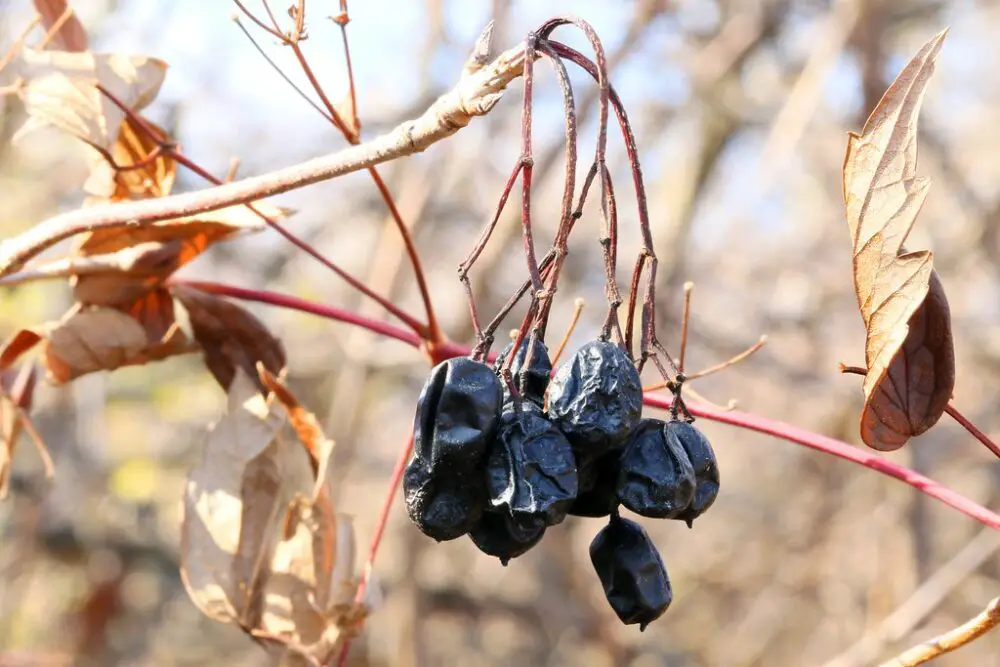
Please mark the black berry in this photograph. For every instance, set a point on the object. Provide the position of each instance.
(457, 414)
(443, 504)
(595, 398)
(598, 481)
(531, 470)
(498, 534)
(706, 469)
(631, 571)
(531, 374)
(655, 477)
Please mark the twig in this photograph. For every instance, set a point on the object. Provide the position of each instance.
(473, 96)
(950, 641)
(577, 309)
(973, 429)
(11, 53)
(685, 320)
(717, 367)
(921, 602)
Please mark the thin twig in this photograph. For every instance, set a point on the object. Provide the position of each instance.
(951, 640)
(577, 310)
(11, 53)
(685, 320)
(973, 429)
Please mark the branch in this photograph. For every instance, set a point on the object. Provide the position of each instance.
(743, 420)
(474, 95)
(951, 640)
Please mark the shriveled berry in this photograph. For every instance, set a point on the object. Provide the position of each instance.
(457, 414)
(533, 374)
(706, 468)
(498, 534)
(655, 476)
(531, 470)
(598, 481)
(595, 398)
(443, 504)
(631, 571)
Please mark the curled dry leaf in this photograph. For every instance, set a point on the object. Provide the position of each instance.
(909, 351)
(71, 36)
(261, 549)
(230, 336)
(61, 91)
(91, 340)
(128, 275)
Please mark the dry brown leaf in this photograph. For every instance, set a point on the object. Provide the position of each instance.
(139, 170)
(306, 426)
(239, 459)
(102, 339)
(229, 335)
(16, 346)
(165, 247)
(71, 36)
(260, 548)
(909, 351)
(16, 392)
(61, 91)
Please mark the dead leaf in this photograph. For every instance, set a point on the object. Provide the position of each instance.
(909, 351)
(306, 426)
(17, 389)
(16, 346)
(61, 91)
(229, 335)
(71, 36)
(259, 550)
(239, 459)
(139, 260)
(140, 170)
(102, 339)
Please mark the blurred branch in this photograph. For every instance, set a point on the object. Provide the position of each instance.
(922, 602)
(475, 95)
(950, 641)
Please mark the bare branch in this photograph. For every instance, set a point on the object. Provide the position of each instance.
(474, 95)
(975, 628)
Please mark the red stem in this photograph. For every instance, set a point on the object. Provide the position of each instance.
(744, 420)
(837, 448)
(971, 428)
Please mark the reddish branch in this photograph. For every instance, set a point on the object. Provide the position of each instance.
(743, 420)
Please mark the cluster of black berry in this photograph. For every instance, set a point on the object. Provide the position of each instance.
(497, 463)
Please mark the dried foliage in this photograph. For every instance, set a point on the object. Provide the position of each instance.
(909, 351)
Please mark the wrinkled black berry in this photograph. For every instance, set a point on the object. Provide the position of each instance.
(534, 376)
(598, 493)
(531, 470)
(706, 469)
(655, 477)
(457, 414)
(498, 534)
(631, 571)
(443, 505)
(595, 398)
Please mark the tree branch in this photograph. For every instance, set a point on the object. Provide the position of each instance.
(988, 619)
(474, 95)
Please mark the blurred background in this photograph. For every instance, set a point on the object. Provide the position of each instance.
(741, 110)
